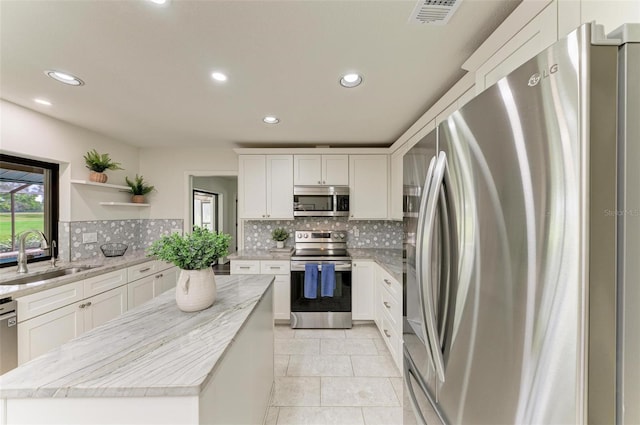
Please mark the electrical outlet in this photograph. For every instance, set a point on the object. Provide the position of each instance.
(89, 237)
(178, 231)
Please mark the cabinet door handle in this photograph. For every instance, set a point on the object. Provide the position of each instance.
(386, 332)
(88, 304)
(319, 182)
(145, 270)
(263, 215)
(268, 215)
(386, 304)
(324, 182)
(387, 282)
(158, 276)
(82, 305)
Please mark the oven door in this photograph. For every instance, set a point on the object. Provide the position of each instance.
(321, 312)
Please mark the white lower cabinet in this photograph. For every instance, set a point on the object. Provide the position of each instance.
(388, 313)
(140, 291)
(362, 290)
(150, 286)
(40, 334)
(281, 286)
(101, 308)
(49, 318)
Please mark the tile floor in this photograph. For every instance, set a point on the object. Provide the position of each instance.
(334, 376)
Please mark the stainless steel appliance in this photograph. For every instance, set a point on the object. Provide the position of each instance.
(321, 248)
(511, 279)
(8, 335)
(321, 201)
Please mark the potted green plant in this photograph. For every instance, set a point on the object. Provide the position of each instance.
(279, 234)
(193, 253)
(138, 188)
(98, 163)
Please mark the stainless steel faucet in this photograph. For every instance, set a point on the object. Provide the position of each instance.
(53, 253)
(22, 256)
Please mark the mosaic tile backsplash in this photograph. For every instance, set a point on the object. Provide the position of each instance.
(136, 233)
(370, 233)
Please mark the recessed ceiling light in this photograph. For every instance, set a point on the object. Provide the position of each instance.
(42, 102)
(350, 80)
(63, 77)
(159, 1)
(219, 76)
(271, 120)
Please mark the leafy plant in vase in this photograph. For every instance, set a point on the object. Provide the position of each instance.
(279, 234)
(193, 253)
(138, 188)
(98, 164)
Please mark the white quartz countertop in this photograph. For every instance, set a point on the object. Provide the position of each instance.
(259, 254)
(100, 265)
(152, 350)
(389, 259)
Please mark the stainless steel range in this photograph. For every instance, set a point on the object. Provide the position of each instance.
(321, 280)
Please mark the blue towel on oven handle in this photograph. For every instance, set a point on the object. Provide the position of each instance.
(328, 280)
(311, 281)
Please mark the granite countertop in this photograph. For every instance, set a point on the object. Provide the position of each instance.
(153, 350)
(100, 265)
(389, 259)
(259, 254)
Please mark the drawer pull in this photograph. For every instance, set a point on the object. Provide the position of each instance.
(386, 332)
(386, 304)
(244, 267)
(387, 282)
(145, 270)
(274, 268)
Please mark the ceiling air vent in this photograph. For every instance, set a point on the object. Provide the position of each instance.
(434, 12)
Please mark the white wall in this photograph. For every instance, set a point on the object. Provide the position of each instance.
(229, 189)
(167, 168)
(30, 134)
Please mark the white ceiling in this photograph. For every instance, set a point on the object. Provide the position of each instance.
(147, 68)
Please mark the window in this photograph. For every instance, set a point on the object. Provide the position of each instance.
(28, 201)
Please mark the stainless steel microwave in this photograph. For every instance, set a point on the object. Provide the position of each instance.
(320, 201)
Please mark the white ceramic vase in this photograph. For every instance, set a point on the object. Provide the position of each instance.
(279, 244)
(196, 289)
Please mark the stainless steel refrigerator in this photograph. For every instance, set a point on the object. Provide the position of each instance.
(512, 265)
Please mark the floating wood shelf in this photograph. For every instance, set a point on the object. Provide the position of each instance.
(105, 185)
(123, 204)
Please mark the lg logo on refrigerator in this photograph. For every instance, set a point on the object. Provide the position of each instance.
(535, 78)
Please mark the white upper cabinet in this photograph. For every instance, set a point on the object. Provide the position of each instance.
(265, 186)
(368, 182)
(314, 170)
(280, 186)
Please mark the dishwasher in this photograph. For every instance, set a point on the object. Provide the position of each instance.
(8, 335)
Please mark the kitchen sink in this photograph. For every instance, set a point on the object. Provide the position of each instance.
(46, 275)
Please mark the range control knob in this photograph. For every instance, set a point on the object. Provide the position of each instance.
(298, 235)
(341, 235)
(306, 235)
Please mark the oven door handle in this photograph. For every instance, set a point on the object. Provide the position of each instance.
(340, 267)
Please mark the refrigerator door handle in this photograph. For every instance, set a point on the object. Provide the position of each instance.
(445, 265)
(419, 251)
(427, 293)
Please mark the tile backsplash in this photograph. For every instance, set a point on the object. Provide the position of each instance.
(136, 233)
(362, 233)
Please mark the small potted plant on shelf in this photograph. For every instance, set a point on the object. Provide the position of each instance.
(193, 253)
(98, 163)
(279, 235)
(138, 188)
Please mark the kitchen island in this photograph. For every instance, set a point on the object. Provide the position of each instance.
(157, 365)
